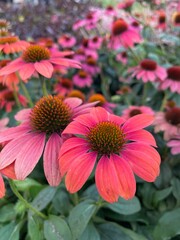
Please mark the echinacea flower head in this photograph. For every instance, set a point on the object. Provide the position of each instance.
(123, 34)
(120, 148)
(161, 20)
(67, 41)
(168, 122)
(40, 129)
(63, 86)
(173, 80)
(135, 110)
(91, 66)
(174, 144)
(11, 44)
(149, 71)
(82, 79)
(77, 93)
(40, 60)
(176, 19)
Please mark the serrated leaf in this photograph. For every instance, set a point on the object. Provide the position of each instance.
(90, 233)
(125, 207)
(168, 225)
(56, 229)
(80, 216)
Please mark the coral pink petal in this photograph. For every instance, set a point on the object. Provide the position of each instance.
(11, 150)
(137, 122)
(86, 120)
(9, 171)
(116, 119)
(141, 136)
(23, 115)
(69, 157)
(127, 183)
(76, 128)
(4, 122)
(79, 171)
(99, 114)
(107, 181)
(72, 142)
(27, 71)
(45, 68)
(29, 156)
(12, 67)
(2, 187)
(84, 108)
(13, 132)
(73, 102)
(51, 162)
(143, 165)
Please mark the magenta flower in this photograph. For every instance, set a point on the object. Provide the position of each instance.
(135, 110)
(174, 144)
(120, 148)
(38, 59)
(149, 71)
(40, 129)
(67, 41)
(82, 79)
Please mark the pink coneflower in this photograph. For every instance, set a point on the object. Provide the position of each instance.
(123, 34)
(95, 42)
(161, 19)
(122, 57)
(135, 110)
(120, 148)
(168, 122)
(67, 41)
(12, 44)
(63, 86)
(38, 59)
(11, 80)
(110, 10)
(174, 144)
(148, 70)
(176, 19)
(7, 100)
(90, 65)
(88, 51)
(79, 55)
(125, 4)
(76, 93)
(82, 79)
(40, 129)
(46, 42)
(173, 79)
(102, 102)
(7, 172)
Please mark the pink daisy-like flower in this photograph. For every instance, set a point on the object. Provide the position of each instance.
(122, 57)
(174, 144)
(135, 110)
(148, 70)
(173, 79)
(95, 42)
(176, 19)
(67, 41)
(12, 44)
(120, 148)
(38, 59)
(161, 21)
(168, 122)
(123, 34)
(40, 129)
(63, 86)
(125, 4)
(82, 79)
(90, 65)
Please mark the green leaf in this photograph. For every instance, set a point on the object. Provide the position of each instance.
(7, 213)
(26, 184)
(80, 216)
(161, 194)
(90, 233)
(125, 207)
(165, 176)
(176, 188)
(168, 225)
(132, 234)
(7, 230)
(112, 231)
(43, 198)
(16, 232)
(56, 229)
(34, 228)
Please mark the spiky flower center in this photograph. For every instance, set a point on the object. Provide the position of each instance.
(85, 43)
(162, 18)
(119, 26)
(174, 73)
(4, 62)
(173, 116)
(106, 138)
(98, 97)
(50, 114)
(35, 53)
(66, 83)
(148, 65)
(80, 51)
(177, 18)
(8, 39)
(95, 39)
(91, 61)
(77, 93)
(8, 96)
(134, 112)
(82, 74)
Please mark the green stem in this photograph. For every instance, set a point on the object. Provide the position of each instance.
(136, 58)
(23, 200)
(44, 88)
(75, 199)
(26, 93)
(16, 97)
(144, 96)
(163, 101)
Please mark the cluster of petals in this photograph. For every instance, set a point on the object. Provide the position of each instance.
(67, 41)
(25, 145)
(174, 144)
(114, 173)
(135, 110)
(43, 67)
